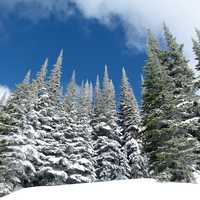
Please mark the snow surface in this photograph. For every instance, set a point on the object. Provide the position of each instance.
(114, 190)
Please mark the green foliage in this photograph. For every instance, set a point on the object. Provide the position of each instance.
(167, 84)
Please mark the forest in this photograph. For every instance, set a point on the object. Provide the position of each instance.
(83, 135)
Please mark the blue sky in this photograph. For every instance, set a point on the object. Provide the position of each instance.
(91, 32)
(88, 46)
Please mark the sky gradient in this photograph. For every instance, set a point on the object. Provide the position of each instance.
(87, 44)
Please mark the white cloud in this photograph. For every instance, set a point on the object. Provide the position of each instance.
(4, 94)
(182, 16)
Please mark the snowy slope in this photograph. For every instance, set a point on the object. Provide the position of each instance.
(129, 189)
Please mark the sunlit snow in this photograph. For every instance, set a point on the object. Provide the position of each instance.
(128, 189)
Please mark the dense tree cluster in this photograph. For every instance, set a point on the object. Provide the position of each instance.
(47, 138)
(51, 138)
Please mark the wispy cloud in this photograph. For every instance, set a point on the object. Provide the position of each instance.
(182, 16)
(4, 94)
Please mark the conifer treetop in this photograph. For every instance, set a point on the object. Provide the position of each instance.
(60, 58)
(27, 77)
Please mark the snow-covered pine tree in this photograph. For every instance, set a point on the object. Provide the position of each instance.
(77, 133)
(130, 122)
(170, 148)
(49, 121)
(111, 163)
(185, 98)
(16, 169)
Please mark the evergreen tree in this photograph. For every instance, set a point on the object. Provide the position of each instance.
(111, 163)
(170, 148)
(185, 86)
(130, 122)
(77, 132)
(16, 170)
(48, 119)
(54, 80)
(152, 84)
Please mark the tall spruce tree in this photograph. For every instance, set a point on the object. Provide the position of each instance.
(111, 163)
(152, 84)
(16, 169)
(49, 119)
(171, 149)
(130, 121)
(185, 98)
(77, 132)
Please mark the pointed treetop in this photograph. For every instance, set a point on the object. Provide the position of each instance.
(91, 91)
(153, 44)
(55, 79)
(124, 80)
(124, 75)
(71, 89)
(43, 71)
(128, 102)
(97, 80)
(112, 86)
(73, 77)
(97, 86)
(105, 80)
(87, 84)
(60, 58)
(27, 77)
(171, 42)
(106, 76)
(168, 36)
(46, 63)
(123, 70)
